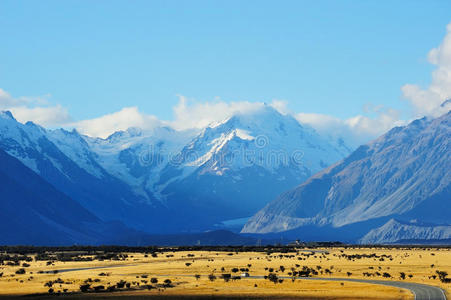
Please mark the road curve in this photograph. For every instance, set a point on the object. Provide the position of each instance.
(420, 291)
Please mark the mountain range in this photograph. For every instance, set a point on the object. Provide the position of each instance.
(168, 181)
(34, 212)
(163, 185)
(394, 188)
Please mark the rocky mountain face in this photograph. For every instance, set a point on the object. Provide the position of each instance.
(164, 180)
(404, 174)
(65, 160)
(396, 231)
(33, 212)
(231, 169)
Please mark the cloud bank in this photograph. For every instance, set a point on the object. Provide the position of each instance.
(36, 109)
(193, 114)
(122, 120)
(355, 130)
(429, 101)
(189, 113)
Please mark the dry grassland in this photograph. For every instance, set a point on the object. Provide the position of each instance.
(138, 269)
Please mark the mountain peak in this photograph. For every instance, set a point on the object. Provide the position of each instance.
(264, 111)
(6, 114)
(404, 173)
(134, 131)
(445, 103)
(130, 132)
(264, 117)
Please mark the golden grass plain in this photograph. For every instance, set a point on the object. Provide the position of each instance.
(418, 264)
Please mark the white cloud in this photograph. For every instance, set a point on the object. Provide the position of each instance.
(7, 101)
(189, 114)
(122, 120)
(49, 116)
(39, 111)
(355, 130)
(193, 114)
(359, 129)
(428, 101)
(35, 109)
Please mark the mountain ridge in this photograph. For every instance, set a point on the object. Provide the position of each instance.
(396, 174)
(145, 178)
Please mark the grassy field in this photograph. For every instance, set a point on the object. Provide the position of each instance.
(200, 274)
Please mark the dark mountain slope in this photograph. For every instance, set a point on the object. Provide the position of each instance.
(33, 212)
(405, 174)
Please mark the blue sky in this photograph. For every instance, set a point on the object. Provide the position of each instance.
(328, 57)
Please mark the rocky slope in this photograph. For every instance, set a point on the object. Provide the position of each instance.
(395, 231)
(33, 212)
(231, 169)
(163, 180)
(65, 160)
(405, 173)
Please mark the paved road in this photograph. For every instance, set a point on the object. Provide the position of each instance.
(86, 268)
(421, 291)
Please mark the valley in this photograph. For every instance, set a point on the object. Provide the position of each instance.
(225, 150)
(226, 272)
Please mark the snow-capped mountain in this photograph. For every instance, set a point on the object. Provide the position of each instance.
(137, 157)
(65, 160)
(404, 174)
(185, 180)
(233, 168)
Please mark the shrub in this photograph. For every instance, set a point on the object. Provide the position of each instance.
(49, 284)
(167, 282)
(226, 277)
(111, 288)
(273, 277)
(121, 284)
(85, 287)
(442, 275)
(99, 288)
